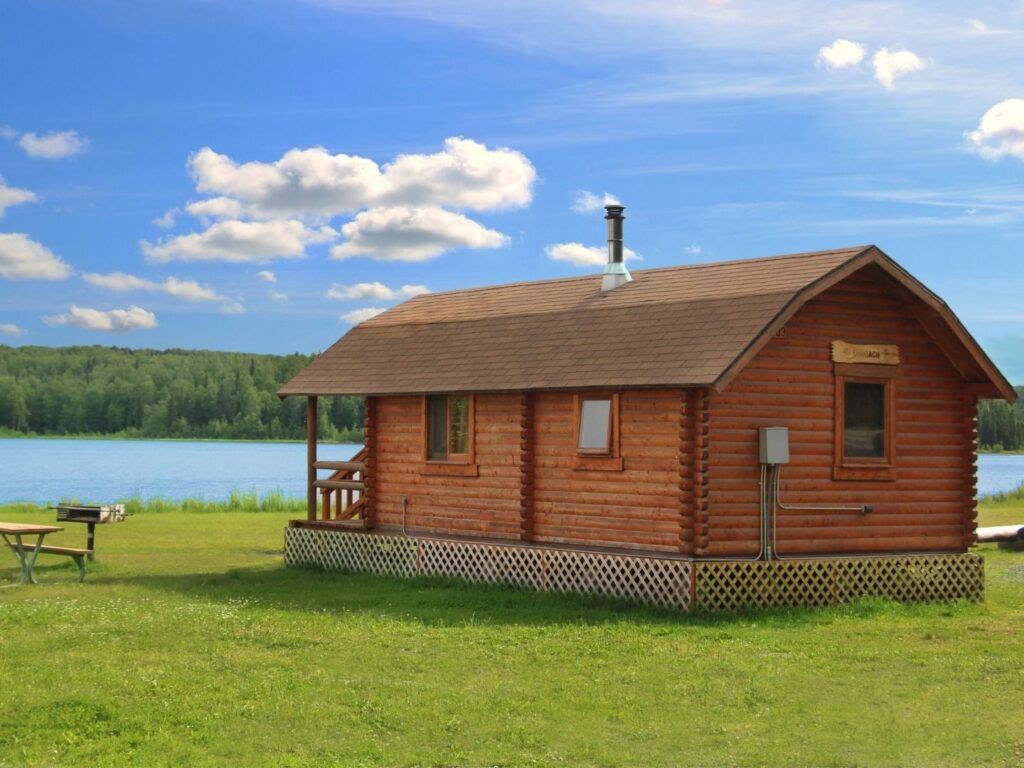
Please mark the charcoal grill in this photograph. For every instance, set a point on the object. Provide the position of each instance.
(91, 516)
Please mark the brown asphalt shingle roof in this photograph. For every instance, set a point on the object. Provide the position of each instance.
(677, 326)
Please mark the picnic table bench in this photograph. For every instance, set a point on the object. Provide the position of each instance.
(26, 554)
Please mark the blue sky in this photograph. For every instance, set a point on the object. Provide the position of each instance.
(257, 176)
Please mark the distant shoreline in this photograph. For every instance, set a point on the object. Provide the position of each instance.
(17, 436)
(20, 435)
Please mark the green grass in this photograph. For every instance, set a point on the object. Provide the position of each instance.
(1002, 508)
(190, 644)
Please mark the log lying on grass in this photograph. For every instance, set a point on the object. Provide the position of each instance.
(1008, 536)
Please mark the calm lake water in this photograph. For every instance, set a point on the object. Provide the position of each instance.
(46, 471)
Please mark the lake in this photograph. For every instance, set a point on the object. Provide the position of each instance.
(45, 471)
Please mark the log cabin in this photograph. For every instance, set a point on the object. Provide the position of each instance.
(793, 430)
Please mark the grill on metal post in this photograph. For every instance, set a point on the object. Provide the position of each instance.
(91, 516)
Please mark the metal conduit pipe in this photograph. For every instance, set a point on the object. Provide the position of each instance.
(762, 524)
(774, 481)
(862, 509)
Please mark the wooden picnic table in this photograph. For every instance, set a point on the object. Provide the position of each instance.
(26, 555)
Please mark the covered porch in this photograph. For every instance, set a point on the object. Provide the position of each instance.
(343, 499)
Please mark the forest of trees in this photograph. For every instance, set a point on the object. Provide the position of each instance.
(187, 394)
(1001, 425)
(171, 393)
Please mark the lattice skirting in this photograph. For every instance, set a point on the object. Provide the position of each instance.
(659, 581)
(908, 578)
(682, 584)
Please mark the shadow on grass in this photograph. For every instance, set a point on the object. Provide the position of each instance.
(452, 602)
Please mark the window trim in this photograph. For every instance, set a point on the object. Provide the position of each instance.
(610, 459)
(467, 458)
(864, 467)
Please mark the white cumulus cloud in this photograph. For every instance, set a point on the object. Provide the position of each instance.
(240, 241)
(374, 290)
(314, 184)
(166, 219)
(588, 202)
(357, 316)
(22, 258)
(266, 276)
(841, 54)
(406, 233)
(584, 255)
(277, 295)
(10, 329)
(1000, 131)
(889, 65)
(13, 196)
(172, 286)
(119, 281)
(189, 290)
(110, 320)
(53, 146)
(216, 208)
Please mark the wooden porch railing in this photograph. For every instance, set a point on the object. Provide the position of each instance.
(342, 494)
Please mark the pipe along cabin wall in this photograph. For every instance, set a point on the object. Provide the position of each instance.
(929, 506)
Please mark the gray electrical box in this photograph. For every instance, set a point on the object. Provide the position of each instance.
(774, 445)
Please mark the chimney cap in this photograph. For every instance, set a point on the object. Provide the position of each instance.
(614, 211)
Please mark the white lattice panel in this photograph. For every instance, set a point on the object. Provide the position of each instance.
(720, 586)
(659, 581)
(346, 551)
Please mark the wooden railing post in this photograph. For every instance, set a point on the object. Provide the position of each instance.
(311, 457)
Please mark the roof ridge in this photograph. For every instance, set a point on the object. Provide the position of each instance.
(853, 250)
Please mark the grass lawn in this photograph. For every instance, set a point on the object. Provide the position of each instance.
(190, 644)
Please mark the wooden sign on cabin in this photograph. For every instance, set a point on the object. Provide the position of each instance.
(878, 354)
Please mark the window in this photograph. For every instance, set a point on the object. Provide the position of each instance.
(865, 444)
(449, 432)
(597, 432)
(863, 420)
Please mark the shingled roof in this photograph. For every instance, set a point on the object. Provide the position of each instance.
(692, 325)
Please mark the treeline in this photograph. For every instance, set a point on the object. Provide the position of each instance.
(173, 393)
(1001, 425)
(227, 395)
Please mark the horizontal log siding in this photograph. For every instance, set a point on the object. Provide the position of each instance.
(639, 506)
(488, 505)
(790, 383)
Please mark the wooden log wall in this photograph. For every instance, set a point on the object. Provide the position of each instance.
(791, 383)
(701, 471)
(370, 476)
(488, 504)
(687, 449)
(638, 506)
(526, 457)
(970, 459)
